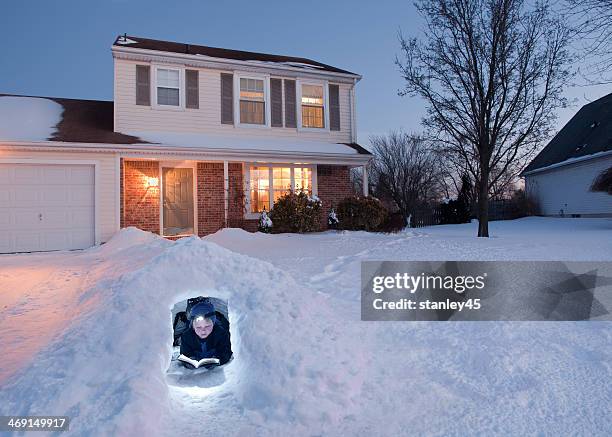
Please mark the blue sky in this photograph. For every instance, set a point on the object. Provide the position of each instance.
(62, 48)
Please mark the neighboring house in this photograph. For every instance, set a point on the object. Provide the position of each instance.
(561, 176)
(196, 139)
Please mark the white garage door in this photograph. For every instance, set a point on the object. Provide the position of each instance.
(46, 207)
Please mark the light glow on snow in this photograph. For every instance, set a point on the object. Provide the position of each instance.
(304, 362)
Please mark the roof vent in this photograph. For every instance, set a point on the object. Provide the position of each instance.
(595, 124)
(580, 147)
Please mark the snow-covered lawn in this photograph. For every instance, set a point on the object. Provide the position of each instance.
(88, 334)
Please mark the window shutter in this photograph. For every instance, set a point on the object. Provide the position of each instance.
(276, 99)
(192, 89)
(227, 98)
(143, 85)
(334, 107)
(290, 107)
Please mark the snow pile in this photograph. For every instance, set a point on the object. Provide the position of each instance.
(107, 372)
(28, 118)
(304, 362)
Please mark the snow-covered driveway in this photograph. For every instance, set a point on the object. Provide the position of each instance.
(305, 364)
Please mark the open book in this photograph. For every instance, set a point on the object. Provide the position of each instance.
(202, 362)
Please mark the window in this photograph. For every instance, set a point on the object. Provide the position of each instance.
(312, 106)
(268, 184)
(281, 177)
(168, 87)
(252, 102)
(303, 179)
(260, 189)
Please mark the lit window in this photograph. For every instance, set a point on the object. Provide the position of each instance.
(281, 177)
(270, 183)
(260, 189)
(312, 106)
(303, 179)
(252, 103)
(168, 87)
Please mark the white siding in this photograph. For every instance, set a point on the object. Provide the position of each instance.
(567, 188)
(130, 117)
(107, 182)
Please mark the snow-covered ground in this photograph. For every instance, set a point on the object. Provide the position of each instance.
(88, 334)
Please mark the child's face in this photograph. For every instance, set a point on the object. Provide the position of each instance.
(202, 327)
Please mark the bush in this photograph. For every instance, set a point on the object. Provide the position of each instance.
(296, 213)
(394, 222)
(265, 224)
(523, 205)
(360, 214)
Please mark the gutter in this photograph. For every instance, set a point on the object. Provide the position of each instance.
(568, 162)
(222, 63)
(217, 154)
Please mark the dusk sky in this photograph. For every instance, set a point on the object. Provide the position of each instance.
(62, 48)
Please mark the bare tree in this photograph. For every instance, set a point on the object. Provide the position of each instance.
(492, 73)
(592, 20)
(404, 169)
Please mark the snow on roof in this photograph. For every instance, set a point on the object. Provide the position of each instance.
(569, 161)
(124, 40)
(28, 118)
(200, 140)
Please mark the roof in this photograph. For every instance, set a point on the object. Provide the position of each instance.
(78, 121)
(589, 132)
(33, 118)
(215, 52)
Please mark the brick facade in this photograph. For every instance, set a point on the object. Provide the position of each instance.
(334, 184)
(140, 203)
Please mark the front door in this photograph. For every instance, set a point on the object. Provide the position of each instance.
(177, 193)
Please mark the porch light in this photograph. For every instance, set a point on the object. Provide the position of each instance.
(153, 182)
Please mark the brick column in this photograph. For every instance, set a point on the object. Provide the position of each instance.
(333, 185)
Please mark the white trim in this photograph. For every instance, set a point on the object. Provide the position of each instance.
(146, 55)
(247, 178)
(192, 153)
(178, 164)
(569, 162)
(95, 163)
(365, 180)
(266, 81)
(298, 100)
(353, 107)
(181, 72)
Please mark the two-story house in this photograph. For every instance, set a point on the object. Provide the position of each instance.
(196, 139)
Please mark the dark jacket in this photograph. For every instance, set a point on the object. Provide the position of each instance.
(216, 345)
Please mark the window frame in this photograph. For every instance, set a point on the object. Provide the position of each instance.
(298, 98)
(267, 112)
(181, 72)
(247, 178)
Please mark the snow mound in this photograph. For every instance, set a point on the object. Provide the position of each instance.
(28, 118)
(129, 237)
(108, 372)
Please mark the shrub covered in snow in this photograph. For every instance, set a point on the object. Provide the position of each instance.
(361, 213)
(296, 212)
(265, 224)
(332, 219)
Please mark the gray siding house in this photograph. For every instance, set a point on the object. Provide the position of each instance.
(561, 175)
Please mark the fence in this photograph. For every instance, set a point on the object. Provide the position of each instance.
(431, 216)
(426, 217)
